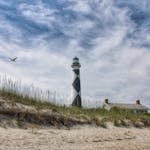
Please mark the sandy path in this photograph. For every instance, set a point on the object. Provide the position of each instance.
(79, 138)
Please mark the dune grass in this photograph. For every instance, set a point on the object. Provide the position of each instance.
(14, 91)
(97, 116)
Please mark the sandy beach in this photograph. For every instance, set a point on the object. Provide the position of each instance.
(77, 138)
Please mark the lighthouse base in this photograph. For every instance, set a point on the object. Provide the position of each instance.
(77, 101)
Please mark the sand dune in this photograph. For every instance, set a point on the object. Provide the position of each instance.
(77, 138)
(26, 128)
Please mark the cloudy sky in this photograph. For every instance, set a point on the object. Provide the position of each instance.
(111, 38)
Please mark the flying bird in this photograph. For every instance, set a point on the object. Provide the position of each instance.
(13, 59)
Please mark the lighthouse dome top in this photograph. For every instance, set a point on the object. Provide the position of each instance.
(76, 58)
(75, 64)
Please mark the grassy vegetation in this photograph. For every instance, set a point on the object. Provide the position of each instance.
(12, 85)
(97, 116)
(14, 91)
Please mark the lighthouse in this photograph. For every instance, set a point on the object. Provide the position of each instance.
(76, 83)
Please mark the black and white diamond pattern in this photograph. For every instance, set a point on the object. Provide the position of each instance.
(76, 84)
(76, 88)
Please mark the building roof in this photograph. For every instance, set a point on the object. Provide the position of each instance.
(128, 106)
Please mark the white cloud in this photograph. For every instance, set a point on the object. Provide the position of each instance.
(80, 6)
(38, 13)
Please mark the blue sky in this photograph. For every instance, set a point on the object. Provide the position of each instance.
(111, 38)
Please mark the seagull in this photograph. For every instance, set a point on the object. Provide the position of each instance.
(13, 59)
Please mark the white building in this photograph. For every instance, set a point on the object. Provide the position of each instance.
(137, 107)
